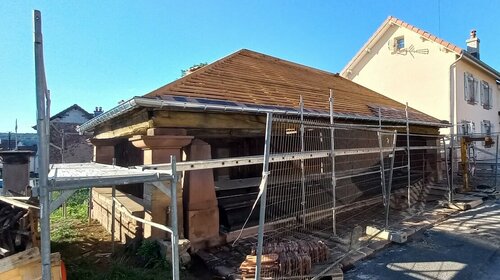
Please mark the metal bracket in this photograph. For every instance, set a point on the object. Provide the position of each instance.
(56, 203)
(164, 188)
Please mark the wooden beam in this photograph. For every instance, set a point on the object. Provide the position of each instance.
(207, 120)
(134, 123)
(18, 203)
(27, 265)
(225, 133)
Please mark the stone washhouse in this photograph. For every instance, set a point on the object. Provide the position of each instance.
(217, 112)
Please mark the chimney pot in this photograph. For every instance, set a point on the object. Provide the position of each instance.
(473, 33)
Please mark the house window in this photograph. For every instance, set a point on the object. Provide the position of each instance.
(486, 101)
(466, 128)
(470, 89)
(486, 127)
(399, 43)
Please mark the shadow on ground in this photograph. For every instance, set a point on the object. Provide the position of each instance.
(465, 246)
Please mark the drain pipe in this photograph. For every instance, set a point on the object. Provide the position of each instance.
(453, 92)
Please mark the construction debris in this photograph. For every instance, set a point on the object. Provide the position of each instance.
(462, 204)
(287, 258)
(385, 234)
(18, 226)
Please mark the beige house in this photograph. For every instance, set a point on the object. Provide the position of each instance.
(434, 76)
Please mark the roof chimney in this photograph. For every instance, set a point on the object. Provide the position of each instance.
(473, 44)
(97, 111)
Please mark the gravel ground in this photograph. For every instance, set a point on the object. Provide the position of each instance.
(466, 246)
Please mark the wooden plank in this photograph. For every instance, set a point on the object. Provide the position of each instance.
(19, 259)
(207, 120)
(26, 265)
(18, 203)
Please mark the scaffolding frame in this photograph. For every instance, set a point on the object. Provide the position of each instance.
(148, 173)
(70, 177)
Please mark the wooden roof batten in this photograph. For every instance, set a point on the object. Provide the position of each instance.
(251, 82)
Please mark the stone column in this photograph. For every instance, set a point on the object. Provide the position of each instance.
(202, 221)
(104, 150)
(158, 145)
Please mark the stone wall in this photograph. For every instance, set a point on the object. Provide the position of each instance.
(126, 228)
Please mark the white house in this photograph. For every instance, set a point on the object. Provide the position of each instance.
(436, 77)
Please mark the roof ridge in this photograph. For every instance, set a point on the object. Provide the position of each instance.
(450, 46)
(288, 62)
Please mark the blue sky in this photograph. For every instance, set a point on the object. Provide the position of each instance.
(100, 52)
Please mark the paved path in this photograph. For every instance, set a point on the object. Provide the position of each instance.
(466, 246)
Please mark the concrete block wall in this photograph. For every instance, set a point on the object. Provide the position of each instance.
(126, 228)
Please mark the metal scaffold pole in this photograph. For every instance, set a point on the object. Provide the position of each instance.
(173, 218)
(446, 166)
(263, 190)
(302, 162)
(43, 146)
(391, 171)
(332, 155)
(496, 161)
(452, 163)
(382, 167)
(408, 154)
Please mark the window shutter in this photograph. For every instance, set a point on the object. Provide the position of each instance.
(476, 91)
(490, 98)
(483, 95)
(466, 87)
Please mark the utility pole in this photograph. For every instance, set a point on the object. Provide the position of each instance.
(16, 135)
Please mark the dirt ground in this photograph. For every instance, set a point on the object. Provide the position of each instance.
(84, 242)
(86, 250)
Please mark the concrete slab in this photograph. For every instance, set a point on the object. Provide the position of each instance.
(392, 235)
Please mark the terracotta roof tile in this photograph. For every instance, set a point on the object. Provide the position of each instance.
(253, 78)
(426, 34)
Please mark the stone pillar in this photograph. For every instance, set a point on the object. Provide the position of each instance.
(104, 150)
(158, 145)
(202, 221)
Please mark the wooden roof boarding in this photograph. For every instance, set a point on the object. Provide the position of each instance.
(253, 78)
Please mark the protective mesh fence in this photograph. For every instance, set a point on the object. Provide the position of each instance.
(317, 206)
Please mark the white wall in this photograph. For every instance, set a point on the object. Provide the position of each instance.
(422, 80)
(476, 113)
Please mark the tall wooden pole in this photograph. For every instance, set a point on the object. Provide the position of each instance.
(43, 146)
